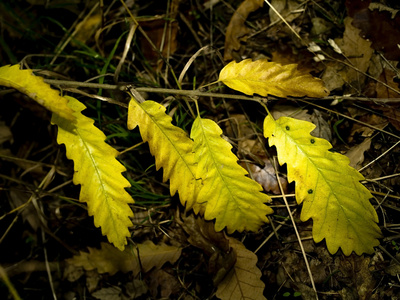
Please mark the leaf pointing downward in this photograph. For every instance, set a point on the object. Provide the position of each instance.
(328, 187)
(171, 147)
(99, 174)
(233, 199)
(263, 78)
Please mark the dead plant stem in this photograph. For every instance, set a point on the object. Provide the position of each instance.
(297, 232)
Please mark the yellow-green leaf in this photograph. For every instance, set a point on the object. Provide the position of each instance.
(34, 87)
(229, 196)
(263, 77)
(99, 174)
(109, 259)
(171, 147)
(328, 187)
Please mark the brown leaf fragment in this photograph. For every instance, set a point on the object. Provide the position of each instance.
(5, 133)
(377, 25)
(109, 259)
(286, 8)
(86, 29)
(162, 30)
(243, 281)
(267, 178)
(366, 131)
(356, 154)
(358, 51)
(109, 293)
(163, 285)
(136, 288)
(322, 128)
(358, 270)
(394, 268)
(237, 30)
(392, 110)
(215, 245)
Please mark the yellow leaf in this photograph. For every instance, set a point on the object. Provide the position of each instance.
(171, 147)
(244, 279)
(99, 174)
(34, 87)
(229, 196)
(109, 259)
(263, 78)
(328, 187)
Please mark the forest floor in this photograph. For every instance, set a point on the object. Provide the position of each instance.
(353, 46)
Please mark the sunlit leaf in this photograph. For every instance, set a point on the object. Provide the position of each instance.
(171, 147)
(229, 196)
(99, 174)
(263, 77)
(35, 88)
(328, 187)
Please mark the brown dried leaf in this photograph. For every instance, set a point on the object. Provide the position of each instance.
(109, 293)
(365, 131)
(203, 235)
(356, 154)
(267, 178)
(237, 30)
(377, 25)
(286, 8)
(109, 259)
(162, 33)
(243, 281)
(391, 111)
(215, 245)
(322, 128)
(5, 133)
(358, 51)
(163, 283)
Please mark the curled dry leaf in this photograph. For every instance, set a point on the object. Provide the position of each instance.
(237, 30)
(267, 178)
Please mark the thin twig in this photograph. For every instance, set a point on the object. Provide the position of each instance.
(350, 118)
(296, 231)
(283, 19)
(380, 156)
(123, 87)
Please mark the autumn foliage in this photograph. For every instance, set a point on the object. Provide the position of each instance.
(202, 168)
